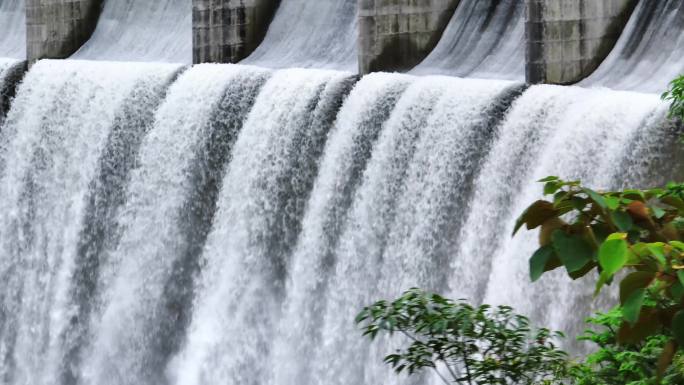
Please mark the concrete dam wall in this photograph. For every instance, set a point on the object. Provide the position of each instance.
(564, 41)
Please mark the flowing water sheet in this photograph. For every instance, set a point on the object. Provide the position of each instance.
(55, 144)
(260, 207)
(12, 29)
(171, 201)
(484, 39)
(142, 30)
(574, 133)
(650, 51)
(316, 34)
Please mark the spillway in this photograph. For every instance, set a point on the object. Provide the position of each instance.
(173, 225)
(648, 55)
(319, 34)
(12, 49)
(133, 30)
(484, 39)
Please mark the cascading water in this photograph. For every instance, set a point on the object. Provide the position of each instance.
(54, 141)
(134, 30)
(648, 55)
(304, 33)
(12, 49)
(484, 39)
(171, 200)
(258, 220)
(226, 224)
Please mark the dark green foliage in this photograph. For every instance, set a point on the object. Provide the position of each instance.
(639, 233)
(624, 364)
(675, 96)
(465, 344)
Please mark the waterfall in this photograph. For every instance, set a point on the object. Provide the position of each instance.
(54, 144)
(148, 283)
(264, 194)
(648, 54)
(135, 30)
(484, 39)
(223, 224)
(576, 133)
(304, 33)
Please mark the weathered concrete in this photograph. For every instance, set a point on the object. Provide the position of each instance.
(396, 35)
(568, 39)
(227, 31)
(58, 28)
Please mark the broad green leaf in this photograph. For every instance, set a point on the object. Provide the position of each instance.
(622, 220)
(550, 188)
(635, 281)
(612, 202)
(657, 250)
(604, 277)
(613, 255)
(596, 197)
(657, 212)
(632, 306)
(677, 245)
(573, 251)
(678, 327)
(535, 215)
(539, 261)
(680, 275)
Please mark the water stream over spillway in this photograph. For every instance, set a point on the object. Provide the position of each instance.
(223, 224)
(304, 33)
(134, 30)
(12, 49)
(484, 39)
(649, 52)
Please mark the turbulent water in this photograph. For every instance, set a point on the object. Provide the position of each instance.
(165, 225)
(649, 52)
(484, 39)
(304, 33)
(134, 30)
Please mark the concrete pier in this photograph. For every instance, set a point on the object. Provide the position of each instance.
(57, 28)
(227, 31)
(396, 35)
(568, 39)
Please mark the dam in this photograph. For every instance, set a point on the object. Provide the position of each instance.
(200, 192)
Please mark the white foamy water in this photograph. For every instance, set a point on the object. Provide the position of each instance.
(52, 143)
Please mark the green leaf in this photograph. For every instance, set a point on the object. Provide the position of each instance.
(548, 179)
(635, 281)
(678, 327)
(596, 197)
(658, 212)
(539, 261)
(622, 220)
(677, 245)
(657, 250)
(613, 255)
(612, 202)
(550, 188)
(632, 306)
(603, 279)
(573, 251)
(674, 202)
(535, 215)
